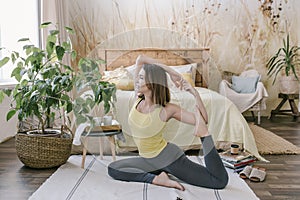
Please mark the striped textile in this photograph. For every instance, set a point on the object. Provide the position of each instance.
(70, 181)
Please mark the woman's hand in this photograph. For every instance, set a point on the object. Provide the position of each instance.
(181, 83)
(186, 86)
(176, 78)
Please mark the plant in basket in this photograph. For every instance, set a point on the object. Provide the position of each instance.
(48, 92)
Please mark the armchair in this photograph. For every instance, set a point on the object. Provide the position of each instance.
(246, 91)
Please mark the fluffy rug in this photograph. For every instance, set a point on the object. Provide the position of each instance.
(270, 143)
(72, 182)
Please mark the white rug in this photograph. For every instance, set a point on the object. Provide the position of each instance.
(70, 181)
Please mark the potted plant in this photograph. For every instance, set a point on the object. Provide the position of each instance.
(285, 63)
(47, 93)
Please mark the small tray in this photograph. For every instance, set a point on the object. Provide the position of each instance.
(105, 128)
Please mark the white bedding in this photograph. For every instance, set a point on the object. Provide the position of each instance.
(226, 123)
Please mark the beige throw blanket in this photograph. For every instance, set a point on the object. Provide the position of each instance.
(244, 101)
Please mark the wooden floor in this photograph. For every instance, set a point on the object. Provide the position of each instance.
(282, 181)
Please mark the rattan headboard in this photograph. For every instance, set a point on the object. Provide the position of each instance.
(115, 58)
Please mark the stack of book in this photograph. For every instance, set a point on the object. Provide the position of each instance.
(237, 162)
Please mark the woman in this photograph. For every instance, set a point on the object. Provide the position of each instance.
(147, 120)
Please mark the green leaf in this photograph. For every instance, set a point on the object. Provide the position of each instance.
(17, 73)
(1, 96)
(52, 38)
(24, 83)
(73, 55)
(54, 32)
(13, 58)
(66, 45)
(69, 107)
(27, 46)
(68, 68)
(69, 30)
(45, 24)
(4, 61)
(34, 94)
(10, 114)
(28, 49)
(23, 39)
(20, 64)
(7, 92)
(17, 54)
(50, 49)
(106, 108)
(60, 52)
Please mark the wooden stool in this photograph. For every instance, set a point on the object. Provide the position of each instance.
(101, 131)
(294, 109)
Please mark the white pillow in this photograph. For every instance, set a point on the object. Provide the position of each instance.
(131, 69)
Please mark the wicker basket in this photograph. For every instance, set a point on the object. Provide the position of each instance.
(43, 152)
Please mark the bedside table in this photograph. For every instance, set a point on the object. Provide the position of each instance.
(100, 132)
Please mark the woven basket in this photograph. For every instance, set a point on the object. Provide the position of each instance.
(43, 152)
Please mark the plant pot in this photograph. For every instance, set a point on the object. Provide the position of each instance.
(288, 85)
(48, 133)
(43, 152)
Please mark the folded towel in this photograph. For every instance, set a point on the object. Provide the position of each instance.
(78, 132)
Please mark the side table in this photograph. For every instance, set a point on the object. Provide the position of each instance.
(294, 109)
(101, 131)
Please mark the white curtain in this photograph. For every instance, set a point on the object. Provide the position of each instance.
(54, 11)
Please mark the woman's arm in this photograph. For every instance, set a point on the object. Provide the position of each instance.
(199, 104)
(194, 118)
(141, 59)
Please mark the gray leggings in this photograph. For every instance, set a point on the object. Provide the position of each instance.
(173, 161)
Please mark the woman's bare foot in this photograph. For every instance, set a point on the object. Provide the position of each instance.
(163, 180)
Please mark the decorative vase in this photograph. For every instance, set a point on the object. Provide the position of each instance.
(288, 85)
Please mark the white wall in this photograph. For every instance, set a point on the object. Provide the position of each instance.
(7, 128)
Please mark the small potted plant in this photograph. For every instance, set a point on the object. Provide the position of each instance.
(285, 63)
(47, 93)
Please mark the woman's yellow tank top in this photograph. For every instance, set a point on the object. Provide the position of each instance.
(147, 131)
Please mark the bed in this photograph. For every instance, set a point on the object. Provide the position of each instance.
(226, 124)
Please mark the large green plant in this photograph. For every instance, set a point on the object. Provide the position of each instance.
(286, 59)
(47, 87)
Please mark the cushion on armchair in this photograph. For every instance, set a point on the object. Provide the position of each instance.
(245, 84)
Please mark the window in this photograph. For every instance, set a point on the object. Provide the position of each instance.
(18, 19)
